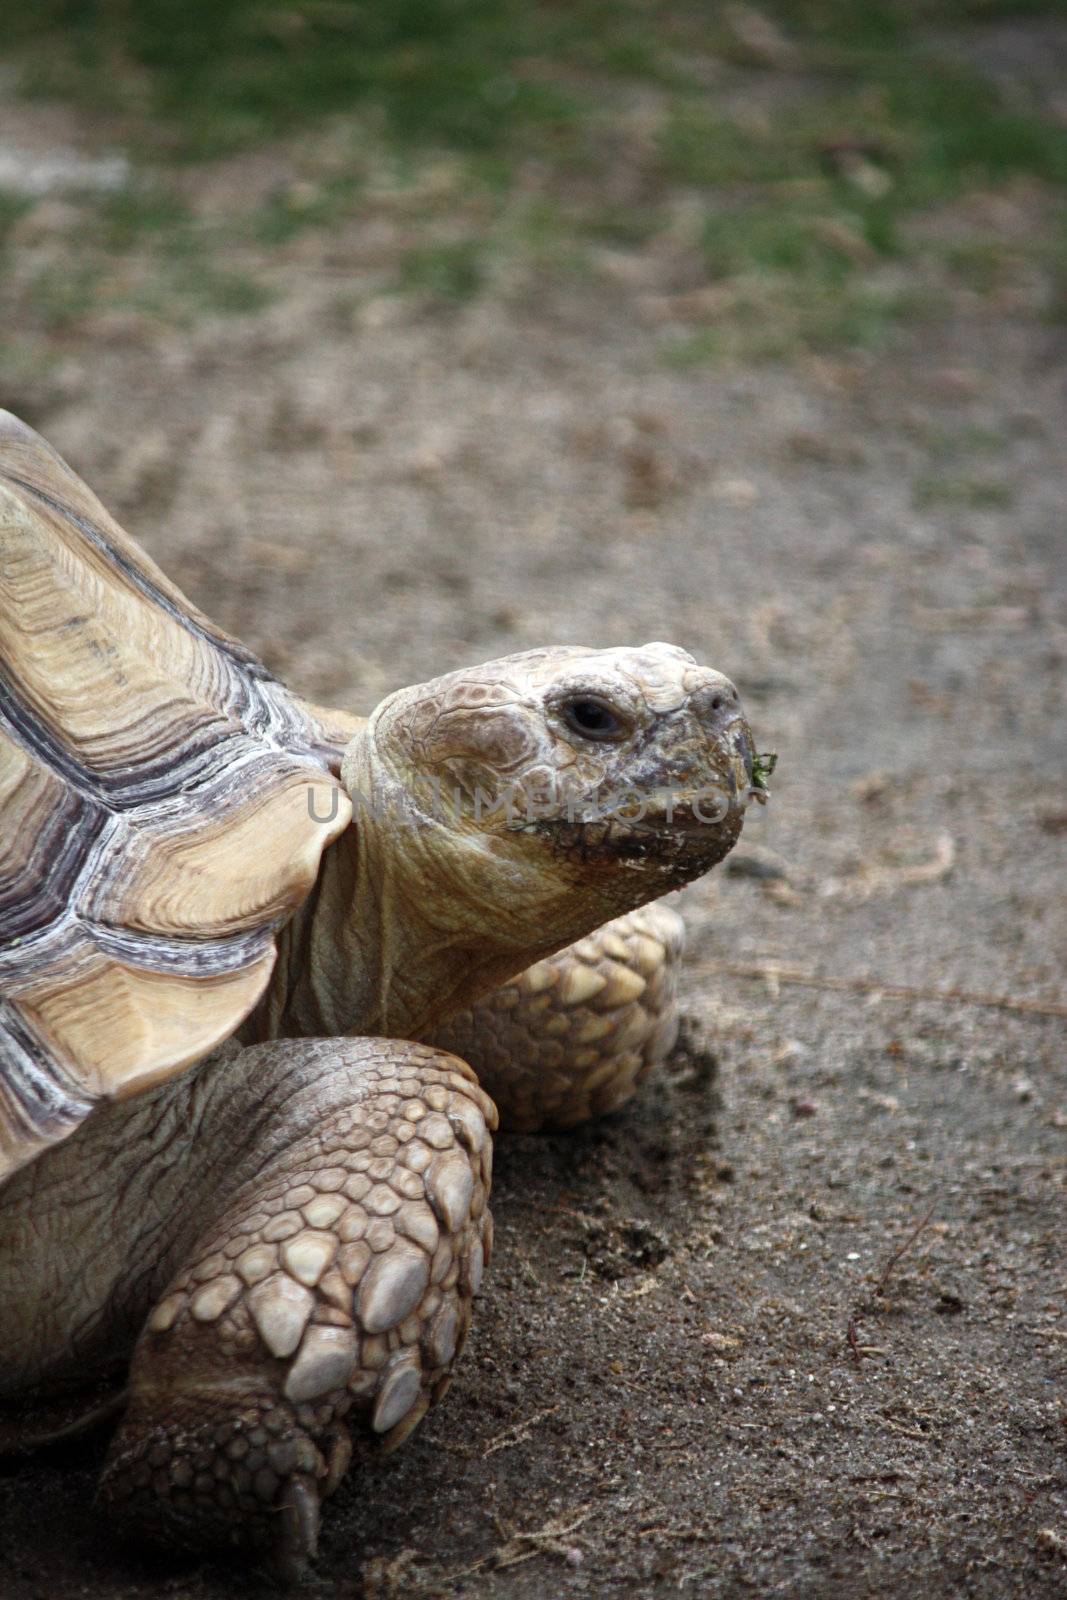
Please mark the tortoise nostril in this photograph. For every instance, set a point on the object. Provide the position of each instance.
(717, 703)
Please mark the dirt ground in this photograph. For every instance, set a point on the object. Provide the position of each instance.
(796, 1323)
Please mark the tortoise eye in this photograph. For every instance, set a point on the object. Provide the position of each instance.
(592, 717)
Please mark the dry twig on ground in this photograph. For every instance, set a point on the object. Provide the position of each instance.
(857, 1350)
(770, 972)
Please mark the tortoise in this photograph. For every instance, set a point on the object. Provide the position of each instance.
(270, 977)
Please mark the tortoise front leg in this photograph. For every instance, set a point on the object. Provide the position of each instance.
(329, 1295)
(573, 1037)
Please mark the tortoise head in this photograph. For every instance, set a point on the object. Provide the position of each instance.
(560, 785)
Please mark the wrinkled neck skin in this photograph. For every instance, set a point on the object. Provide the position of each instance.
(412, 920)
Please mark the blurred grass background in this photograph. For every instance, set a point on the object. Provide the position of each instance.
(779, 165)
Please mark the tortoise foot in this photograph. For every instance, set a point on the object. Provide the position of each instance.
(575, 1035)
(323, 1312)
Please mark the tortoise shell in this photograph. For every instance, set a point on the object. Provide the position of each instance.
(159, 797)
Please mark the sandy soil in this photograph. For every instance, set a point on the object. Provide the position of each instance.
(795, 1323)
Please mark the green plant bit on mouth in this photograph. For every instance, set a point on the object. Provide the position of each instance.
(762, 767)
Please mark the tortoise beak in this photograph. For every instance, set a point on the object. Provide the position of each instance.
(708, 751)
(722, 717)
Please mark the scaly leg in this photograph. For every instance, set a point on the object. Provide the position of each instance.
(573, 1037)
(333, 1287)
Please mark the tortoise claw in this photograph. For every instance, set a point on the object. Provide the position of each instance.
(296, 1543)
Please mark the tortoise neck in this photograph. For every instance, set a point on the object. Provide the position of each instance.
(364, 955)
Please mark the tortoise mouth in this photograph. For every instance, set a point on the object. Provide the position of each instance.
(678, 846)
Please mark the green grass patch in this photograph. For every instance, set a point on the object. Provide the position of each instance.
(214, 75)
(694, 350)
(306, 205)
(138, 211)
(63, 296)
(797, 200)
(626, 226)
(141, 252)
(956, 444)
(449, 271)
(885, 24)
(701, 146)
(1055, 257)
(206, 285)
(984, 265)
(12, 207)
(974, 493)
(815, 194)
